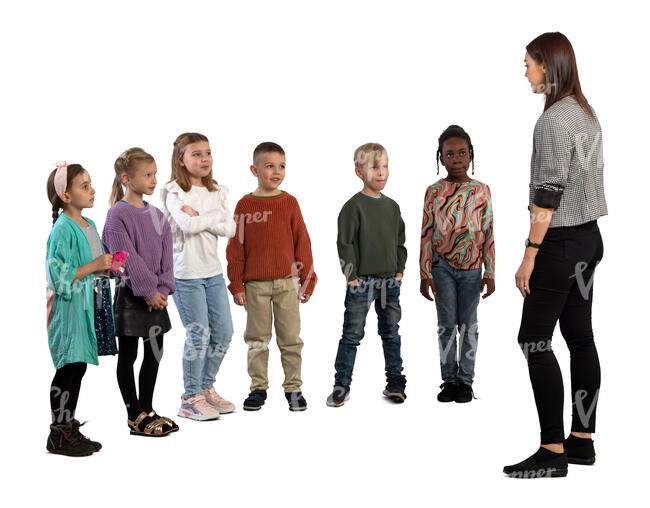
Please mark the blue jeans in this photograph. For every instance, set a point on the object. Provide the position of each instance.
(385, 294)
(205, 313)
(458, 293)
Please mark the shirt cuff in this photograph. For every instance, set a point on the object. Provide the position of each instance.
(545, 198)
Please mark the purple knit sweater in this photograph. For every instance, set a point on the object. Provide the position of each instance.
(145, 234)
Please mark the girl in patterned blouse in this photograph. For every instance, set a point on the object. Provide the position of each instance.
(457, 240)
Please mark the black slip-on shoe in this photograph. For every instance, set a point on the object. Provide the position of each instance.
(542, 464)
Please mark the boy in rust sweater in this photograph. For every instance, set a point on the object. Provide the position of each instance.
(270, 267)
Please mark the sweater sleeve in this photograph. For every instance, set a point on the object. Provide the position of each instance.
(191, 224)
(426, 236)
(347, 241)
(401, 239)
(235, 254)
(226, 226)
(144, 282)
(487, 227)
(60, 273)
(302, 251)
(166, 284)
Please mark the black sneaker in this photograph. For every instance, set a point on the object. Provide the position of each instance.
(542, 464)
(296, 401)
(448, 392)
(95, 444)
(340, 394)
(255, 400)
(464, 393)
(580, 450)
(395, 389)
(63, 440)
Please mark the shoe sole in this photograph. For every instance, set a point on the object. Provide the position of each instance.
(224, 411)
(134, 433)
(196, 417)
(252, 408)
(446, 400)
(395, 397)
(582, 461)
(462, 401)
(534, 473)
(82, 454)
(334, 404)
(297, 408)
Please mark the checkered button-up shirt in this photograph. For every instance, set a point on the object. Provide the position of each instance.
(566, 167)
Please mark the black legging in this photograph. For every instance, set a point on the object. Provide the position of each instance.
(561, 288)
(64, 392)
(128, 352)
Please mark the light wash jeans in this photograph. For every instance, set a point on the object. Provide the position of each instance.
(457, 297)
(205, 312)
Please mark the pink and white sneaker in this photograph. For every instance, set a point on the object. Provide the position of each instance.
(218, 402)
(197, 408)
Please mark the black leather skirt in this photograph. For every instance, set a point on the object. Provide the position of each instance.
(133, 318)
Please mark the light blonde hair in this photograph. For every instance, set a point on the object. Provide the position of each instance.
(127, 162)
(179, 171)
(368, 153)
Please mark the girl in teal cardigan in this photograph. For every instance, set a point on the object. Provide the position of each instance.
(75, 256)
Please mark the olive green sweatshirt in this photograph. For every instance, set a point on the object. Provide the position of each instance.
(371, 237)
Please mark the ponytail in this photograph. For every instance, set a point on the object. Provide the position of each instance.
(127, 162)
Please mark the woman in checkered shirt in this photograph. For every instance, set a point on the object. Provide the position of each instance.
(563, 247)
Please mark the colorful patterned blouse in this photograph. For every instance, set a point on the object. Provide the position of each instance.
(457, 223)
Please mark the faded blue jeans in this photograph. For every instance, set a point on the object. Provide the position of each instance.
(458, 293)
(205, 312)
(385, 294)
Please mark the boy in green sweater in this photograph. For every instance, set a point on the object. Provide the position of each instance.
(372, 255)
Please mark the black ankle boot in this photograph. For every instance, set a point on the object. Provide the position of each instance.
(542, 464)
(580, 450)
(63, 440)
(95, 444)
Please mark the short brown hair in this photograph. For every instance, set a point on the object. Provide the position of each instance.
(368, 152)
(179, 172)
(266, 147)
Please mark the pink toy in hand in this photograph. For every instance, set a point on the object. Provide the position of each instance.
(118, 260)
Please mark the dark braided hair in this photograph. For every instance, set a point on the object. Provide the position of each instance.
(57, 203)
(454, 131)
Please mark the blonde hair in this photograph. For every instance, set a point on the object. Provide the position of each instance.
(127, 162)
(179, 171)
(368, 153)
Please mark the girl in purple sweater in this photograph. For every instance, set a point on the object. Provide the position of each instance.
(140, 306)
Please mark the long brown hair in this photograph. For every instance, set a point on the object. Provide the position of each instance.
(554, 50)
(57, 203)
(179, 171)
(127, 162)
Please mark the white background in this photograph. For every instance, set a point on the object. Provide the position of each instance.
(83, 81)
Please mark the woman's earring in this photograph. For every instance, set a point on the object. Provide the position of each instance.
(437, 170)
(472, 169)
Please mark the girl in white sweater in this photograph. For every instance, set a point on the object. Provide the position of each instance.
(197, 210)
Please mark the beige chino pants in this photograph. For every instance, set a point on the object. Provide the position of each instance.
(269, 301)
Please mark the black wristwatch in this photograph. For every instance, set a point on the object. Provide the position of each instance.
(528, 243)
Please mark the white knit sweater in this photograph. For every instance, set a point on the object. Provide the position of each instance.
(195, 237)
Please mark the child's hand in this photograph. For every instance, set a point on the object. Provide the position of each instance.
(490, 286)
(189, 210)
(354, 282)
(399, 276)
(240, 298)
(103, 262)
(158, 302)
(425, 286)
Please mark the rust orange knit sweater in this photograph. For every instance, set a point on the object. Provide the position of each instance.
(271, 242)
